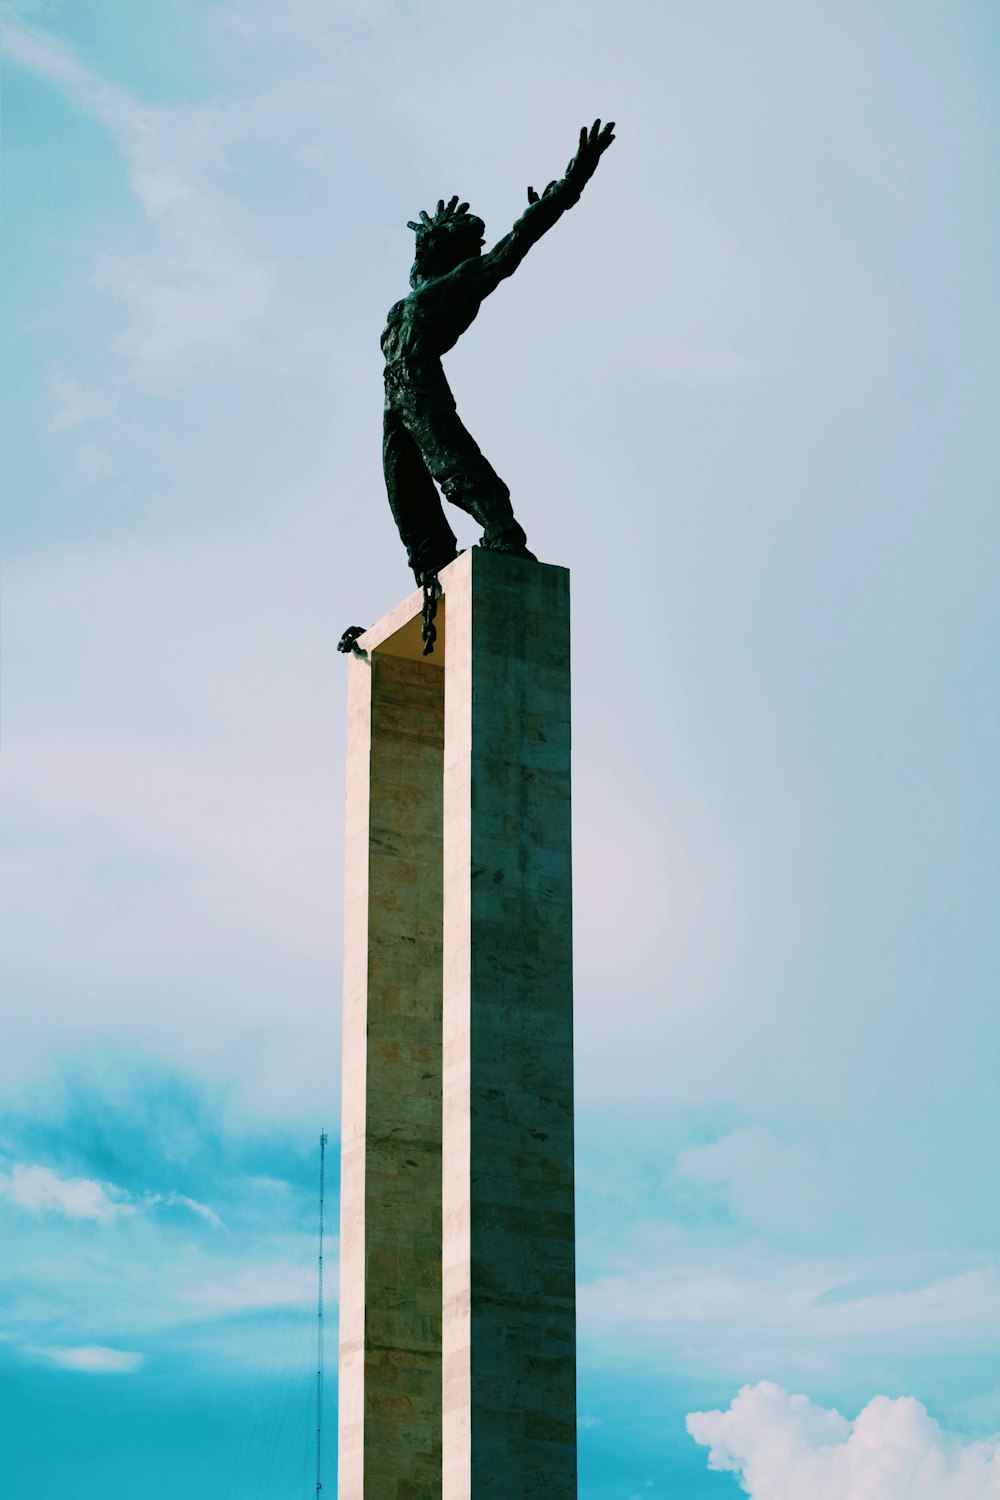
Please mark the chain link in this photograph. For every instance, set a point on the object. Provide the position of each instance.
(432, 592)
(431, 586)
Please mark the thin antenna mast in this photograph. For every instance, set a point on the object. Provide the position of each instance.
(319, 1321)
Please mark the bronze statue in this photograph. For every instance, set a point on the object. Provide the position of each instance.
(424, 439)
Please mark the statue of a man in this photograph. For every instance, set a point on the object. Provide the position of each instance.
(423, 439)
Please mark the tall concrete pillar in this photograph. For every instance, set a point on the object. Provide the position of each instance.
(390, 1235)
(509, 1333)
(457, 1253)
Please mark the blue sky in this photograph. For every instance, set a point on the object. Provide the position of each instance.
(746, 391)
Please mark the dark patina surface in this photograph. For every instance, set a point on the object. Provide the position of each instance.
(425, 443)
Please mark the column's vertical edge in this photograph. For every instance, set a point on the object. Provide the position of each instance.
(456, 1327)
(509, 1340)
(351, 1371)
(522, 1226)
(403, 1213)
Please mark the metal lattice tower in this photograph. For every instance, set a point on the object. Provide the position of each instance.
(319, 1320)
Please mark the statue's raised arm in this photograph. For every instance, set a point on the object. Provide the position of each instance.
(424, 442)
(546, 208)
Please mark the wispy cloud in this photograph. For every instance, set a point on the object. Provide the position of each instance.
(216, 1293)
(40, 1190)
(783, 1446)
(776, 1188)
(181, 1200)
(75, 403)
(92, 463)
(222, 1294)
(702, 1303)
(199, 287)
(250, 1287)
(91, 1359)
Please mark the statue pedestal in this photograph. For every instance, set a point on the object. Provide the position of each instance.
(457, 1365)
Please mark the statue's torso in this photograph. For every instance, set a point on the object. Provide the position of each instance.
(426, 324)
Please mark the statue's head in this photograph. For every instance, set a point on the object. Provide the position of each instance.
(444, 241)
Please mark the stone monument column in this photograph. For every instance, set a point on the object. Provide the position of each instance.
(457, 1254)
(509, 1345)
(390, 1235)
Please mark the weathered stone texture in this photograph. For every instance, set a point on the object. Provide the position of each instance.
(390, 1310)
(509, 1408)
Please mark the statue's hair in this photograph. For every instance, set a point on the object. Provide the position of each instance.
(434, 232)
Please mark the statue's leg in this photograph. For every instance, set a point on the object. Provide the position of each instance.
(468, 479)
(413, 500)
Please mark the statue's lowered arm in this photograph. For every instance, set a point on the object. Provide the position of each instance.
(543, 210)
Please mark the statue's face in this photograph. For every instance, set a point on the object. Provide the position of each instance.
(461, 244)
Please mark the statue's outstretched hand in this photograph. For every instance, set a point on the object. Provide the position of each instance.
(593, 144)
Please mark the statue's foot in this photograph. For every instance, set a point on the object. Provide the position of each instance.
(511, 540)
(514, 549)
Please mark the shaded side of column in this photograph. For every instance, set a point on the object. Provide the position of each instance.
(390, 1349)
(509, 1333)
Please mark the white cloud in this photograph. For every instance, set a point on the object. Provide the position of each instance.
(40, 1190)
(93, 1359)
(769, 1186)
(784, 1447)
